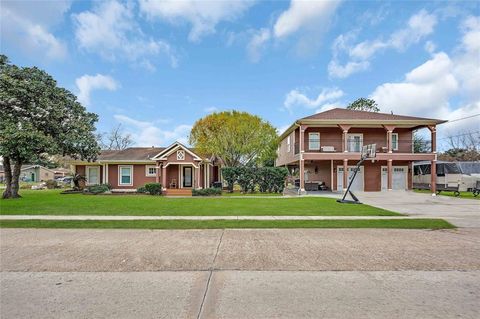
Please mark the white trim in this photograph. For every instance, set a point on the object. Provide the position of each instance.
(147, 170)
(120, 175)
(289, 144)
(87, 174)
(395, 148)
(103, 174)
(181, 163)
(172, 148)
(309, 141)
(106, 174)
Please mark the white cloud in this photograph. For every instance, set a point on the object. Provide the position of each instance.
(110, 30)
(303, 15)
(443, 87)
(308, 19)
(257, 44)
(342, 71)
(417, 28)
(210, 109)
(87, 83)
(296, 98)
(147, 133)
(202, 15)
(27, 26)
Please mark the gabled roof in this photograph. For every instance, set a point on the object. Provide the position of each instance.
(345, 114)
(172, 148)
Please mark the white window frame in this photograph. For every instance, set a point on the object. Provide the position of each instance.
(310, 141)
(289, 145)
(395, 146)
(120, 175)
(351, 135)
(180, 155)
(147, 170)
(87, 173)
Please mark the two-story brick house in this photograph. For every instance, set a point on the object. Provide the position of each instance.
(321, 147)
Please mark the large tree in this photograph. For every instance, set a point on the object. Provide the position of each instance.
(39, 119)
(237, 138)
(363, 104)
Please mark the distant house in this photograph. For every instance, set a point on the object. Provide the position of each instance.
(31, 173)
(178, 168)
(320, 148)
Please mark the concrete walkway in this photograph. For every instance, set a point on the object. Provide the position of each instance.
(116, 217)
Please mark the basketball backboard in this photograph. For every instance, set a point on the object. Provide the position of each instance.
(369, 151)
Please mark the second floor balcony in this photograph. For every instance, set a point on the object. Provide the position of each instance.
(355, 144)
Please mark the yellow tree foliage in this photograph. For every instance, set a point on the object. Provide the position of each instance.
(237, 138)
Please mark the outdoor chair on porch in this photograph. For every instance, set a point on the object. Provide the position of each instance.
(173, 183)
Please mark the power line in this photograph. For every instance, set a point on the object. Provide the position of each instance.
(443, 138)
(463, 118)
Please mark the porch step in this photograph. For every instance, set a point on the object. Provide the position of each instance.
(178, 192)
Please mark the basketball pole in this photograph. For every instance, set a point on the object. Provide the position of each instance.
(364, 156)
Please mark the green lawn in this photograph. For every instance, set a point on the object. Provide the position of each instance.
(221, 224)
(50, 202)
(468, 195)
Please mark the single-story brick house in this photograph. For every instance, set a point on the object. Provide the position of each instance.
(176, 167)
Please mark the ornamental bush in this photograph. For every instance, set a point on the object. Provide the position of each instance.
(51, 184)
(268, 179)
(98, 189)
(213, 191)
(153, 188)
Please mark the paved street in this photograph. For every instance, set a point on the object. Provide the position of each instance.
(291, 273)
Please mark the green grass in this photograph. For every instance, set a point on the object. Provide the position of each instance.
(468, 195)
(249, 194)
(221, 224)
(50, 202)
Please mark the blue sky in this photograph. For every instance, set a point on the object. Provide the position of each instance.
(157, 66)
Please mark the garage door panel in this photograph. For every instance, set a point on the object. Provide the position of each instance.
(358, 183)
(399, 177)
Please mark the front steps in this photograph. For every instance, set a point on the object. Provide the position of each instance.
(178, 192)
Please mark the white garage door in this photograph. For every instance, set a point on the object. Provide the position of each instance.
(399, 175)
(357, 183)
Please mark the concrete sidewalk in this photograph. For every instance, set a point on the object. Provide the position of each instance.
(117, 217)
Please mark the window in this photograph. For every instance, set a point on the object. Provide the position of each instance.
(395, 141)
(150, 170)
(125, 175)
(314, 141)
(289, 147)
(93, 175)
(180, 155)
(355, 142)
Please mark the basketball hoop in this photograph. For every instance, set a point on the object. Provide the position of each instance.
(368, 151)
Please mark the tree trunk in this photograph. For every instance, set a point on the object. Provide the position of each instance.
(16, 179)
(7, 193)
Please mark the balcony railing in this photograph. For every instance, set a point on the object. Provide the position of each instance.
(355, 145)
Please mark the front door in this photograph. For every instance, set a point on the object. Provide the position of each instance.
(187, 176)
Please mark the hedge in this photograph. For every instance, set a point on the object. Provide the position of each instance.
(153, 188)
(98, 189)
(268, 179)
(207, 191)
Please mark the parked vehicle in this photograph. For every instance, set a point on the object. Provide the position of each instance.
(450, 177)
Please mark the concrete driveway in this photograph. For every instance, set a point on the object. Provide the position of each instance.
(459, 211)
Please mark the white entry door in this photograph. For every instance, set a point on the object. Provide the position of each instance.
(357, 183)
(93, 175)
(399, 177)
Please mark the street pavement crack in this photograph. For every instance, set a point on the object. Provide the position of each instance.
(210, 275)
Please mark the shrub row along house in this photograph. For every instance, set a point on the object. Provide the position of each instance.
(319, 148)
(178, 168)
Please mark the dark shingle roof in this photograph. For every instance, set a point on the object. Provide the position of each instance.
(345, 114)
(131, 154)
